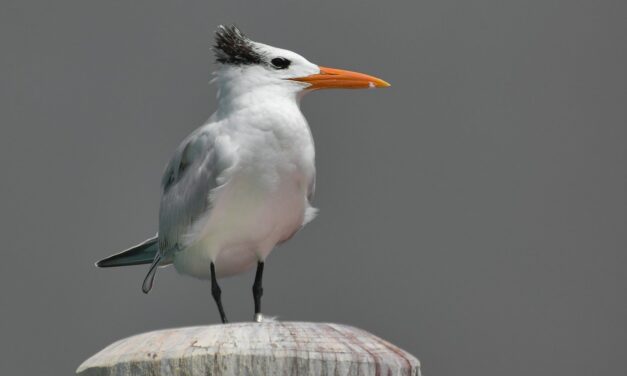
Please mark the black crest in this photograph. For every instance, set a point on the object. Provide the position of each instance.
(233, 47)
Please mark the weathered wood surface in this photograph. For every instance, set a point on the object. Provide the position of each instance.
(267, 348)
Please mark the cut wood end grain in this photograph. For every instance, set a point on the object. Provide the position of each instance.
(250, 348)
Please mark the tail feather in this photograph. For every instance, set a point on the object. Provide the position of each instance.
(150, 277)
(143, 253)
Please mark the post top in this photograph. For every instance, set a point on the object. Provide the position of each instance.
(250, 348)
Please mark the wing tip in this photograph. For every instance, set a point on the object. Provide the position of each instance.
(104, 263)
(122, 258)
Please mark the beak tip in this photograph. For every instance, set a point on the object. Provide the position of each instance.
(380, 84)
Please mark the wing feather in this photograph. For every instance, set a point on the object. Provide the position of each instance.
(195, 171)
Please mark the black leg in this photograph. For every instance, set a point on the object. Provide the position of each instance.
(216, 292)
(258, 291)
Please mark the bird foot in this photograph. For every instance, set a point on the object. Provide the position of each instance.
(261, 318)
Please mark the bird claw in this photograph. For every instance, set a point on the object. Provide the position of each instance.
(261, 318)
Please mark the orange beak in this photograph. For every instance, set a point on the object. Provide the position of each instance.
(331, 78)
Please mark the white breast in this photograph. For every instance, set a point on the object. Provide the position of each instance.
(264, 201)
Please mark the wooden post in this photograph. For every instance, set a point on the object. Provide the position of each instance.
(255, 349)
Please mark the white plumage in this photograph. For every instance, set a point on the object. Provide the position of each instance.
(243, 182)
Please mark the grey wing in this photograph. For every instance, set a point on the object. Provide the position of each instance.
(195, 171)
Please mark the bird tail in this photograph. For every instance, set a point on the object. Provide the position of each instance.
(150, 277)
(143, 253)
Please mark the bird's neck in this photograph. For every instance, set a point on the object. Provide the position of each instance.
(240, 93)
(232, 99)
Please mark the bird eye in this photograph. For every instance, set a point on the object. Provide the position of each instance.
(280, 62)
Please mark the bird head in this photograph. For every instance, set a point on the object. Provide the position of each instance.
(247, 65)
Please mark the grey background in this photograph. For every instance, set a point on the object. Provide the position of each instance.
(474, 213)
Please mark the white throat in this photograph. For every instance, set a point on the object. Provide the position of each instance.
(239, 88)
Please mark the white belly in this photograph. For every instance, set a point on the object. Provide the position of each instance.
(251, 214)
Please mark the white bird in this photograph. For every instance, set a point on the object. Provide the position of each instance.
(243, 182)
